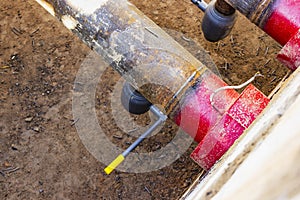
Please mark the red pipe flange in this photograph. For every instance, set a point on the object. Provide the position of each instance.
(290, 53)
(216, 126)
(284, 20)
(233, 123)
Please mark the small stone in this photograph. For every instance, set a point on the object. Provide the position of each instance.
(155, 12)
(28, 119)
(184, 185)
(13, 147)
(36, 129)
(54, 84)
(7, 164)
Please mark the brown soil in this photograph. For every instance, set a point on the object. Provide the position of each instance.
(41, 155)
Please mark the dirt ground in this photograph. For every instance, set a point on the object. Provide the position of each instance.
(41, 155)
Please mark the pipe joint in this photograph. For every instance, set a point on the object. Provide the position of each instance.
(216, 25)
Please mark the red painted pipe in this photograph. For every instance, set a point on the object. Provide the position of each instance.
(284, 20)
(233, 123)
(197, 116)
(116, 30)
(278, 18)
(290, 53)
(217, 127)
(284, 26)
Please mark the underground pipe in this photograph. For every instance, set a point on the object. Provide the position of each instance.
(281, 20)
(161, 70)
(148, 58)
(278, 18)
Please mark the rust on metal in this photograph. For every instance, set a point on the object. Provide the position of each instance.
(133, 45)
(257, 11)
(223, 7)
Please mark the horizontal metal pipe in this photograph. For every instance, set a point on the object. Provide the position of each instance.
(146, 56)
(278, 18)
(161, 70)
(284, 20)
(255, 10)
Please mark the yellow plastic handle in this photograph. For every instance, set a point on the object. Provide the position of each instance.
(112, 166)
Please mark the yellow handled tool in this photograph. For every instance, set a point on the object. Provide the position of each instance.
(111, 167)
(161, 119)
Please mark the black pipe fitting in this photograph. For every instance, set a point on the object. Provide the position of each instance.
(133, 101)
(218, 21)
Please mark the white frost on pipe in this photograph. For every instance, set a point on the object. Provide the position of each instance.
(87, 6)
